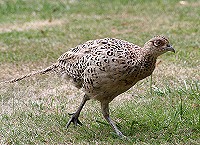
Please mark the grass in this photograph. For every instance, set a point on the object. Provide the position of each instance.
(33, 34)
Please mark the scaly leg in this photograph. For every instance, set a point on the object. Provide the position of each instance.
(74, 117)
(105, 111)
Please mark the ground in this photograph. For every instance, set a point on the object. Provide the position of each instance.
(161, 110)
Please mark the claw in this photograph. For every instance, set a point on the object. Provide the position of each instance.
(73, 119)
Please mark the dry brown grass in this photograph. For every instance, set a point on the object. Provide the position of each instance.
(5, 28)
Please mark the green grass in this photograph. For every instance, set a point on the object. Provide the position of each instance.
(35, 111)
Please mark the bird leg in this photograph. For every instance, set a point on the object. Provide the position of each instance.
(74, 116)
(105, 111)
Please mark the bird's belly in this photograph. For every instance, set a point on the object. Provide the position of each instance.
(109, 90)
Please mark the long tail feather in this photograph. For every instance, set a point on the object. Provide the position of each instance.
(43, 71)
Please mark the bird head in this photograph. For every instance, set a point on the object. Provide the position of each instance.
(158, 45)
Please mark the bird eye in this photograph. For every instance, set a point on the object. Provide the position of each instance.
(157, 43)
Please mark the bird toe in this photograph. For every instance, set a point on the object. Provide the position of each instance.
(74, 119)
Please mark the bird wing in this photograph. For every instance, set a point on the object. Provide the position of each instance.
(73, 62)
(76, 53)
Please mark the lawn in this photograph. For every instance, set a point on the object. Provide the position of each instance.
(161, 110)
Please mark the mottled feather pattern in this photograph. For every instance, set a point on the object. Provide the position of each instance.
(104, 58)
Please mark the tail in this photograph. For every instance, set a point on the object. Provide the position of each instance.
(43, 71)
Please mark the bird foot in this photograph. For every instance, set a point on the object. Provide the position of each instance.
(74, 119)
(121, 135)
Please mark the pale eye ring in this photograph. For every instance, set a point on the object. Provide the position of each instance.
(157, 43)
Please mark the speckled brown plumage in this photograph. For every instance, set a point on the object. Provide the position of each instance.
(105, 68)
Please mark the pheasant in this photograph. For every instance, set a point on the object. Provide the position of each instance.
(105, 68)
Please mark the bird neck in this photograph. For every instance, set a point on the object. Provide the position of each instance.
(149, 60)
(147, 51)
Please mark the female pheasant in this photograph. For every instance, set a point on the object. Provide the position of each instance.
(105, 68)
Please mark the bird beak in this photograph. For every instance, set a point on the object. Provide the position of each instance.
(170, 48)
